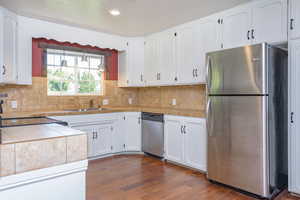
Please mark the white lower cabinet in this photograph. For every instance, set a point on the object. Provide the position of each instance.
(186, 141)
(108, 133)
(100, 138)
(133, 131)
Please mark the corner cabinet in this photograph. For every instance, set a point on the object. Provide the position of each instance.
(186, 141)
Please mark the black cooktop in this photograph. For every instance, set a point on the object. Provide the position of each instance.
(28, 121)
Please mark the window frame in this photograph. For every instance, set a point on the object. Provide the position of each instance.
(76, 72)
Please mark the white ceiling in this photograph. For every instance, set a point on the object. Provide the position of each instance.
(138, 17)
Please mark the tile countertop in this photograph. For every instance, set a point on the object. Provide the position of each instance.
(166, 111)
(13, 135)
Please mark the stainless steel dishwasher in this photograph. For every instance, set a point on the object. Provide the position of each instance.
(153, 134)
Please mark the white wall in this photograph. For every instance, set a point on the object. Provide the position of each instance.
(63, 33)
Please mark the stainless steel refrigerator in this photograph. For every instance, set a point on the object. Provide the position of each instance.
(247, 118)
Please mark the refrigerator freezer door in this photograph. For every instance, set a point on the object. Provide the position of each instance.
(237, 71)
(237, 132)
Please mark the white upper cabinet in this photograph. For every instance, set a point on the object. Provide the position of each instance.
(236, 25)
(209, 41)
(131, 64)
(168, 67)
(294, 26)
(269, 21)
(177, 56)
(15, 51)
(9, 65)
(188, 48)
(152, 60)
(123, 61)
(136, 62)
(24, 56)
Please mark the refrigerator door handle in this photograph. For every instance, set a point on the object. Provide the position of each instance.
(208, 117)
(208, 72)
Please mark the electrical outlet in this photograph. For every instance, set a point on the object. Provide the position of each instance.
(105, 102)
(14, 104)
(174, 102)
(129, 101)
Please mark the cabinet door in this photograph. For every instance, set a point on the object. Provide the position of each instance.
(152, 61)
(123, 68)
(9, 68)
(294, 136)
(168, 68)
(103, 143)
(195, 144)
(136, 62)
(133, 131)
(269, 21)
(173, 140)
(294, 19)
(188, 44)
(208, 34)
(24, 56)
(91, 138)
(119, 135)
(236, 24)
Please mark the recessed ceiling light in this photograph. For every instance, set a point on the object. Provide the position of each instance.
(114, 12)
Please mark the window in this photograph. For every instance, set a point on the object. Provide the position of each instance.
(73, 73)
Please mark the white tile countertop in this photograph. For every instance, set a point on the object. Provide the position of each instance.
(12, 135)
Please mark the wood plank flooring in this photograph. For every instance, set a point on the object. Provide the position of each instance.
(138, 177)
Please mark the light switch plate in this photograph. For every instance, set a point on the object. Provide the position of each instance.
(129, 101)
(174, 102)
(105, 102)
(14, 104)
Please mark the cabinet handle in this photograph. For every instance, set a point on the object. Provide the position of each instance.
(176, 79)
(181, 129)
(252, 34)
(292, 117)
(196, 72)
(292, 24)
(184, 129)
(159, 76)
(94, 137)
(4, 70)
(139, 121)
(193, 73)
(248, 35)
(142, 78)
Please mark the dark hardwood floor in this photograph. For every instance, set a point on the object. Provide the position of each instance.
(144, 178)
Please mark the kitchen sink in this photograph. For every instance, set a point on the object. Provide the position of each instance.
(86, 110)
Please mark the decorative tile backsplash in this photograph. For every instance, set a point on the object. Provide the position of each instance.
(35, 98)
